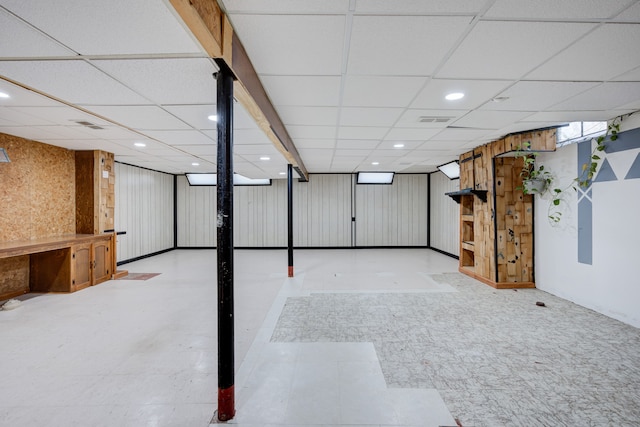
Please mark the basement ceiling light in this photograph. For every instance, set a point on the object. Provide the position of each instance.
(265, 158)
(375, 163)
(398, 145)
(195, 164)
(454, 96)
(451, 169)
(375, 177)
(213, 118)
(211, 179)
(139, 144)
(4, 157)
(4, 95)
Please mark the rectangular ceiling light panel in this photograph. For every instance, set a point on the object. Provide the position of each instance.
(451, 169)
(375, 177)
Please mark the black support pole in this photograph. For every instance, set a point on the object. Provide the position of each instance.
(224, 223)
(290, 217)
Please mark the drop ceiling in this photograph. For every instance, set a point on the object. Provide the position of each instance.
(350, 79)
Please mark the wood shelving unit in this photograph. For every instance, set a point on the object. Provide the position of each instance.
(496, 218)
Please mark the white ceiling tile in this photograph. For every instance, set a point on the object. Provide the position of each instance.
(292, 45)
(534, 96)
(19, 40)
(441, 144)
(319, 91)
(573, 10)
(357, 144)
(139, 117)
(408, 145)
(387, 153)
(352, 116)
(460, 134)
(316, 154)
(82, 83)
(509, 50)
(314, 143)
(410, 134)
(20, 97)
(311, 132)
(314, 116)
(287, 6)
(416, 7)
(632, 14)
(603, 97)
(249, 136)
(484, 119)
(155, 79)
(106, 28)
(199, 150)
(196, 115)
(18, 116)
(253, 152)
(477, 92)
(356, 132)
(62, 114)
(36, 133)
(633, 75)
(180, 137)
(412, 45)
(361, 154)
(569, 116)
(366, 91)
(605, 53)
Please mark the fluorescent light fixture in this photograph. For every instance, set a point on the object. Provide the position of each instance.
(4, 95)
(243, 180)
(375, 177)
(213, 118)
(139, 144)
(210, 179)
(451, 169)
(4, 157)
(454, 96)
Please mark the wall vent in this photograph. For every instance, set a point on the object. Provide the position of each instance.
(88, 124)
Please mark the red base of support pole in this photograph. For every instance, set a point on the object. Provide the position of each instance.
(226, 404)
(290, 271)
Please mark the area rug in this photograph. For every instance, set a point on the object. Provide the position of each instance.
(139, 276)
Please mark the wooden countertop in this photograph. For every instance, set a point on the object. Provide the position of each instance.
(26, 247)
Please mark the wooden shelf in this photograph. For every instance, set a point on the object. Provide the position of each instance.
(468, 246)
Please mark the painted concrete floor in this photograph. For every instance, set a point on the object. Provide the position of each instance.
(358, 337)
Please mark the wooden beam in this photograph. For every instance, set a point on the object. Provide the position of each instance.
(204, 18)
(213, 30)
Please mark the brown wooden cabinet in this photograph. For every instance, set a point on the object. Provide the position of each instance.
(65, 263)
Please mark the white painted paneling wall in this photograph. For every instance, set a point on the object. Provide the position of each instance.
(322, 211)
(196, 214)
(260, 215)
(445, 214)
(393, 215)
(610, 284)
(144, 209)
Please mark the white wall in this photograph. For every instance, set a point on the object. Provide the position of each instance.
(610, 285)
(322, 211)
(445, 214)
(393, 215)
(144, 209)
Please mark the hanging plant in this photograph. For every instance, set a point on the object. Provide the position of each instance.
(590, 168)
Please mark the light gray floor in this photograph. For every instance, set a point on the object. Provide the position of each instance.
(358, 337)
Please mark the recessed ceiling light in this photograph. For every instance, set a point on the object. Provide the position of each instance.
(195, 164)
(213, 118)
(265, 158)
(139, 144)
(283, 173)
(4, 95)
(500, 98)
(398, 145)
(454, 96)
(375, 163)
